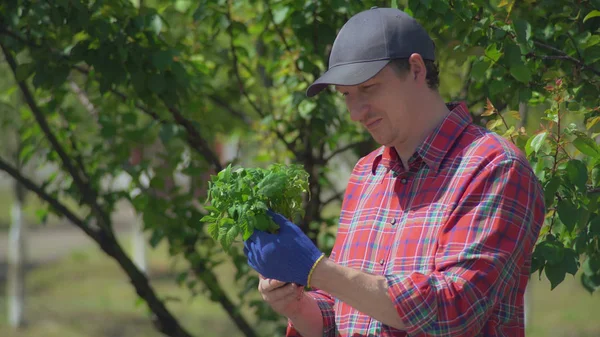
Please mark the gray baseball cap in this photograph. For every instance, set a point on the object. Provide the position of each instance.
(367, 43)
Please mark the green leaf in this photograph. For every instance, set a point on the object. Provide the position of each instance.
(550, 189)
(479, 68)
(512, 54)
(42, 215)
(280, 14)
(581, 242)
(262, 222)
(592, 54)
(596, 176)
(590, 283)
(551, 250)
(595, 226)
(211, 209)
(181, 277)
(138, 79)
(592, 41)
(162, 59)
(537, 263)
(573, 106)
(272, 184)
(492, 52)
(24, 70)
(246, 230)
(156, 24)
(592, 14)
(591, 265)
(222, 236)
(208, 218)
(587, 146)
(394, 3)
(523, 30)
(577, 173)
(156, 238)
(535, 143)
(571, 261)
(157, 83)
(167, 131)
(567, 212)
(129, 118)
(213, 230)
(555, 274)
(232, 233)
(520, 72)
(306, 107)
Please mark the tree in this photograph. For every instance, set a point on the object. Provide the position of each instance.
(190, 74)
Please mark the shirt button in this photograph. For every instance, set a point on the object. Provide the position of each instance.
(403, 180)
(393, 222)
(381, 261)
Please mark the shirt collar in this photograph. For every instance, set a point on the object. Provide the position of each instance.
(436, 145)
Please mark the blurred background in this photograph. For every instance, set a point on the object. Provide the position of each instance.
(114, 115)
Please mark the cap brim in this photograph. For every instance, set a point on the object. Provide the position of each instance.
(347, 74)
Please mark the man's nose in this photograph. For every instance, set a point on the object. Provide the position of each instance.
(358, 109)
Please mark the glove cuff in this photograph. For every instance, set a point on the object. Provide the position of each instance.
(313, 269)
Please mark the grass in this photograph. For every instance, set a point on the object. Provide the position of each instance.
(567, 311)
(86, 294)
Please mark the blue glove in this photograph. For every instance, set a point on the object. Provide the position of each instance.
(288, 256)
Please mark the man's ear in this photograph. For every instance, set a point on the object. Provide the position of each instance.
(418, 71)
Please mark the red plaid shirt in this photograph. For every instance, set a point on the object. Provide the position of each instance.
(453, 235)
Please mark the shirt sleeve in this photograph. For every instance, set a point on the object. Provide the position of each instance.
(482, 251)
(325, 302)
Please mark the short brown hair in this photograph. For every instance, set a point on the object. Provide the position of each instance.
(402, 66)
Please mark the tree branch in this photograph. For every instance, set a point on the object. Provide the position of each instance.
(87, 193)
(220, 102)
(345, 148)
(194, 138)
(208, 277)
(564, 56)
(574, 45)
(594, 190)
(241, 85)
(57, 205)
(281, 35)
(164, 321)
(236, 63)
(337, 196)
(84, 99)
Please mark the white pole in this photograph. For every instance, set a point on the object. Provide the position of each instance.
(16, 267)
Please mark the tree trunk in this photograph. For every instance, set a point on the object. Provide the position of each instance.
(16, 261)
(139, 244)
(523, 113)
(527, 304)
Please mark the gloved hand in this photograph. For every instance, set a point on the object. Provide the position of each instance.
(287, 256)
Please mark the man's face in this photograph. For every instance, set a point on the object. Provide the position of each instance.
(383, 105)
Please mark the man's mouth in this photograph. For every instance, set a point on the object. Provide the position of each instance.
(373, 124)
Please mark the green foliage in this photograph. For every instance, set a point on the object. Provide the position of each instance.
(176, 81)
(238, 200)
(565, 159)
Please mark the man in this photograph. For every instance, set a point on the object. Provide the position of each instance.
(437, 226)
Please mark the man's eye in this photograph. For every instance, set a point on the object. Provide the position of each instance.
(369, 87)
